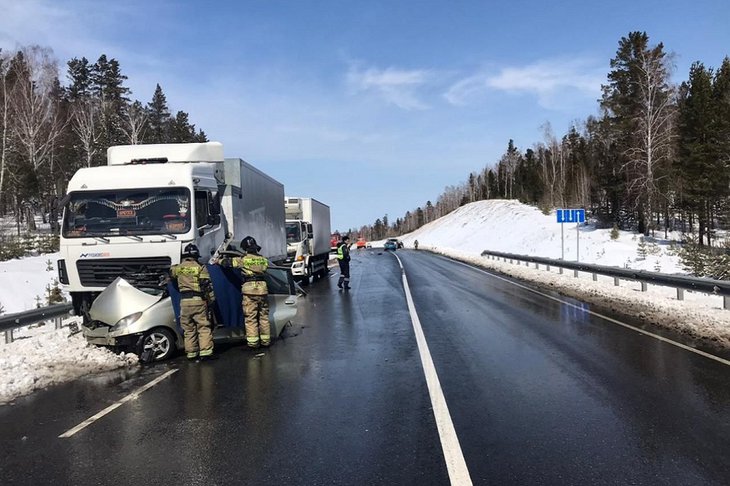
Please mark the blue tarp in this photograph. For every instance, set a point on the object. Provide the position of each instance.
(227, 288)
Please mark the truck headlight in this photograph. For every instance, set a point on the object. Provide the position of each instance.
(128, 321)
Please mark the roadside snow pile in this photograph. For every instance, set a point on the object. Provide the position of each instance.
(52, 358)
(513, 227)
(692, 317)
(24, 280)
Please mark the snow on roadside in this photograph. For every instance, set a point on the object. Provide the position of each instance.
(694, 319)
(51, 358)
(24, 279)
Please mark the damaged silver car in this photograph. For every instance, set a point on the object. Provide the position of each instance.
(123, 316)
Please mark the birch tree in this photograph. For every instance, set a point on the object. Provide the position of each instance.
(641, 103)
(134, 123)
(87, 127)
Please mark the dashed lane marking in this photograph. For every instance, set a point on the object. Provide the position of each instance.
(455, 463)
(116, 405)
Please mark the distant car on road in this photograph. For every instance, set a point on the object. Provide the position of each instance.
(391, 244)
(361, 243)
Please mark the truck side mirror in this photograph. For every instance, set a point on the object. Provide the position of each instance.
(310, 232)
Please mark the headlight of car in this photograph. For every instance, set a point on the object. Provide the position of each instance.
(127, 321)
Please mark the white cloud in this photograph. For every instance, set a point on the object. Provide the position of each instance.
(552, 81)
(396, 86)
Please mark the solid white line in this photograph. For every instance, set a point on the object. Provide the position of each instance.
(114, 406)
(610, 319)
(455, 463)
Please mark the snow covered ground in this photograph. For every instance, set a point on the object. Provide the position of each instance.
(512, 227)
(43, 356)
(52, 357)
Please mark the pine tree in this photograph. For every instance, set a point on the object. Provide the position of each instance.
(158, 118)
(642, 249)
(696, 164)
(108, 88)
(180, 129)
(79, 74)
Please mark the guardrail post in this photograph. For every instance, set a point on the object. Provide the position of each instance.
(644, 286)
(510, 260)
(57, 321)
(537, 266)
(575, 273)
(548, 267)
(527, 264)
(726, 302)
(595, 277)
(561, 270)
(8, 336)
(616, 281)
(680, 294)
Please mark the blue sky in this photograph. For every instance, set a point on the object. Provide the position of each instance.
(372, 107)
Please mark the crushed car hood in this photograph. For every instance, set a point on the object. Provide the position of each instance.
(119, 300)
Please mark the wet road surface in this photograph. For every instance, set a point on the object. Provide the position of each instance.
(539, 393)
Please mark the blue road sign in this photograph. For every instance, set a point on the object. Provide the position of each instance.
(571, 215)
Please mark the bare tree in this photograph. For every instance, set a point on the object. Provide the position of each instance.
(135, 122)
(4, 116)
(553, 170)
(87, 127)
(36, 120)
(655, 121)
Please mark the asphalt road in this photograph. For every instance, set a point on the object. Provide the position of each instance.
(539, 392)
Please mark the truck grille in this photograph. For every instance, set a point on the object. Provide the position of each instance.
(140, 272)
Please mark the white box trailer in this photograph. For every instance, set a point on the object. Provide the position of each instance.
(133, 217)
(255, 209)
(307, 236)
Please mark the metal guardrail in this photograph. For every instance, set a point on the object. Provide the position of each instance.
(10, 322)
(679, 282)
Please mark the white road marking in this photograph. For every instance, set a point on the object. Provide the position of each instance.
(114, 406)
(610, 319)
(455, 463)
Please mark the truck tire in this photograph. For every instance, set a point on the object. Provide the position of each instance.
(160, 341)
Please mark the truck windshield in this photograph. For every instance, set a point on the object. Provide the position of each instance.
(293, 232)
(127, 212)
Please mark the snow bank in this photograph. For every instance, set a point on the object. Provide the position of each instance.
(22, 280)
(693, 318)
(513, 227)
(51, 358)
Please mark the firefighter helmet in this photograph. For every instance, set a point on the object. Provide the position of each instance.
(248, 244)
(191, 251)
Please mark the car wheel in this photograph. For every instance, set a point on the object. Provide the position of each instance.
(160, 341)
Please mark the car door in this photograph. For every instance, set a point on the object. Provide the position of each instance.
(282, 298)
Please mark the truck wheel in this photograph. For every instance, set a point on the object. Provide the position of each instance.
(160, 341)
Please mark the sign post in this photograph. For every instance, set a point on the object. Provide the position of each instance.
(576, 216)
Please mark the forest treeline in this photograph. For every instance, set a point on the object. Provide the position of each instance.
(657, 157)
(50, 127)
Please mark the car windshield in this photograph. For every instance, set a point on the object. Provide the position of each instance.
(127, 212)
(293, 232)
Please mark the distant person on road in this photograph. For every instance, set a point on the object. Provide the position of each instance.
(415, 244)
(343, 258)
(255, 292)
(196, 291)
